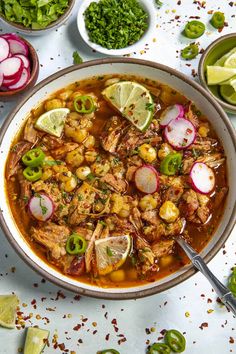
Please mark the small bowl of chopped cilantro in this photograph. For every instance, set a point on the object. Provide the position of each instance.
(116, 27)
(32, 17)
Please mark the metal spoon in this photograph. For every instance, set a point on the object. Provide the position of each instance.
(222, 291)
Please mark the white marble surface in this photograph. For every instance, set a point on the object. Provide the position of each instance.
(184, 307)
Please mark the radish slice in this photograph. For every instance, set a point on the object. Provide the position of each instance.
(23, 80)
(11, 67)
(147, 179)
(4, 49)
(170, 113)
(9, 82)
(41, 207)
(25, 60)
(1, 78)
(180, 133)
(202, 178)
(17, 46)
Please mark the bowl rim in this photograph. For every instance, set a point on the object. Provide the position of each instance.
(33, 75)
(227, 106)
(116, 295)
(148, 7)
(27, 30)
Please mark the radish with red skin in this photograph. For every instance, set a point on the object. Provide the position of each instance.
(202, 178)
(9, 82)
(25, 60)
(1, 78)
(11, 67)
(23, 80)
(41, 207)
(170, 113)
(17, 46)
(4, 49)
(180, 133)
(147, 179)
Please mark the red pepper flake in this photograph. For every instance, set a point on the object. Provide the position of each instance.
(77, 327)
(122, 340)
(209, 301)
(33, 302)
(114, 321)
(195, 17)
(116, 329)
(103, 306)
(106, 315)
(203, 325)
(94, 332)
(84, 320)
(231, 340)
(80, 341)
(43, 298)
(147, 330)
(77, 297)
(35, 285)
(163, 332)
(231, 3)
(62, 346)
(46, 319)
(107, 336)
(179, 2)
(60, 295)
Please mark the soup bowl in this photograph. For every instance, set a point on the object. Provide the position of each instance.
(163, 74)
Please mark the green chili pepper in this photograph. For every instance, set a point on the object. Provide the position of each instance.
(108, 351)
(218, 20)
(33, 174)
(194, 29)
(232, 282)
(171, 163)
(159, 348)
(175, 340)
(190, 52)
(84, 104)
(33, 157)
(76, 244)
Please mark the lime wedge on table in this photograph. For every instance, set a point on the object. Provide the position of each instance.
(221, 61)
(230, 62)
(36, 339)
(52, 122)
(8, 305)
(228, 93)
(133, 101)
(218, 74)
(111, 253)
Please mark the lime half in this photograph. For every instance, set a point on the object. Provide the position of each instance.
(228, 93)
(221, 61)
(231, 82)
(133, 101)
(52, 122)
(36, 340)
(8, 306)
(218, 74)
(111, 253)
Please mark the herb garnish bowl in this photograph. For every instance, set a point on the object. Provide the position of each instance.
(212, 53)
(148, 7)
(20, 28)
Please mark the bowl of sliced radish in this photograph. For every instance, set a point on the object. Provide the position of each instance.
(19, 66)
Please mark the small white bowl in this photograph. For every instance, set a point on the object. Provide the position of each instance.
(147, 5)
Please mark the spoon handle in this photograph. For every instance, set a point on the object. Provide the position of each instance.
(222, 291)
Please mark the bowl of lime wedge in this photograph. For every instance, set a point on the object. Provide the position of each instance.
(217, 71)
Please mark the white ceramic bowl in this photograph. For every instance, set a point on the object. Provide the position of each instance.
(163, 74)
(148, 6)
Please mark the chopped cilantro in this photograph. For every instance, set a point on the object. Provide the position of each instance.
(109, 252)
(77, 58)
(102, 223)
(158, 3)
(150, 107)
(90, 177)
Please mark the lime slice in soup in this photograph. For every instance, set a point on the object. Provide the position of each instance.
(8, 306)
(111, 253)
(52, 122)
(221, 61)
(228, 93)
(217, 74)
(133, 101)
(36, 340)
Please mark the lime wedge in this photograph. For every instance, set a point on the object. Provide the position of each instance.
(52, 122)
(36, 340)
(221, 61)
(133, 101)
(218, 74)
(111, 253)
(230, 62)
(8, 305)
(228, 93)
(231, 82)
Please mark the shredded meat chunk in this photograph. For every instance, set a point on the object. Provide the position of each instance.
(53, 237)
(17, 151)
(163, 248)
